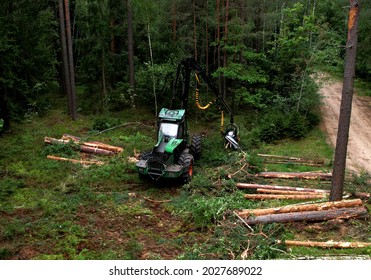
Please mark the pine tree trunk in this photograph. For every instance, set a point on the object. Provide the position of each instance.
(66, 75)
(346, 104)
(131, 54)
(70, 61)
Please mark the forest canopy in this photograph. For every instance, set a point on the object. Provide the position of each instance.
(263, 55)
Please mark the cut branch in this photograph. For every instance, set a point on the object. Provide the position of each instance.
(342, 213)
(301, 208)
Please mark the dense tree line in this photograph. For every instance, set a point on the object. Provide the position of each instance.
(262, 54)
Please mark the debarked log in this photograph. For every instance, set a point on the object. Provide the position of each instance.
(310, 216)
(327, 244)
(296, 175)
(284, 196)
(272, 187)
(301, 208)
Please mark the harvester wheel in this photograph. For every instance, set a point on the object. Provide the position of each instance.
(186, 160)
(196, 146)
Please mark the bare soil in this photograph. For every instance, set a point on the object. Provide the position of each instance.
(359, 144)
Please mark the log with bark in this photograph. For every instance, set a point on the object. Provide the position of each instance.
(274, 187)
(83, 162)
(288, 159)
(268, 191)
(296, 175)
(312, 216)
(284, 196)
(301, 208)
(327, 244)
(94, 144)
(88, 147)
(361, 195)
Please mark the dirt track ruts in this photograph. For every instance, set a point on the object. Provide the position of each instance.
(359, 144)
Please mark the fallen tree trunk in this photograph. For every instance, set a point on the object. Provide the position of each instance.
(312, 216)
(327, 244)
(301, 208)
(272, 187)
(296, 175)
(284, 196)
(268, 191)
(85, 162)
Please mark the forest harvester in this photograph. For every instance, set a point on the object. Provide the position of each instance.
(174, 153)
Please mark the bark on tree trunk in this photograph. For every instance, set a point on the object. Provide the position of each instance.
(70, 61)
(66, 74)
(346, 104)
(131, 54)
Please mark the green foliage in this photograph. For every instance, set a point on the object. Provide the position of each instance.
(274, 126)
(7, 188)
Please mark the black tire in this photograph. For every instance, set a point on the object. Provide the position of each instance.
(196, 146)
(186, 160)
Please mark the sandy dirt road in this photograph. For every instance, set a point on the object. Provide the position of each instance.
(359, 144)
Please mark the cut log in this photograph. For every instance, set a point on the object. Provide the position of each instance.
(327, 244)
(284, 196)
(268, 191)
(296, 175)
(84, 162)
(87, 147)
(272, 187)
(342, 213)
(94, 144)
(361, 195)
(50, 140)
(301, 208)
(95, 150)
(295, 159)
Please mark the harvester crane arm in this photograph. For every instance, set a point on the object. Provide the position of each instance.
(188, 65)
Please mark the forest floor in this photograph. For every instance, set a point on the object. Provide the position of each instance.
(359, 145)
(60, 210)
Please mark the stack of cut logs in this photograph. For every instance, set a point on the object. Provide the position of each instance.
(84, 146)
